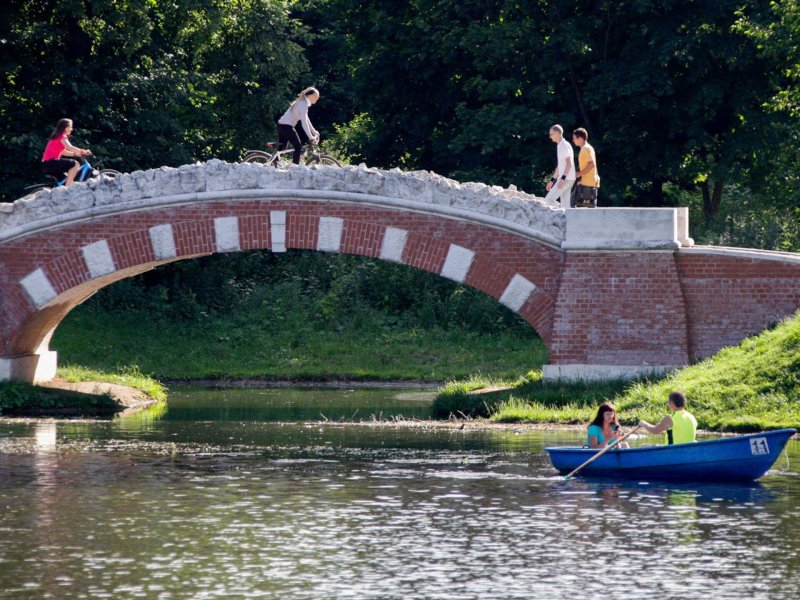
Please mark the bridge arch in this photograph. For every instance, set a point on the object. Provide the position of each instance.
(87, 240)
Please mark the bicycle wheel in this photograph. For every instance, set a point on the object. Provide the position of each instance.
(113, 173)
(32, 190)
(324, 159)
(259, 157)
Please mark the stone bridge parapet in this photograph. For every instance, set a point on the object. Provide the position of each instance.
(415, 190)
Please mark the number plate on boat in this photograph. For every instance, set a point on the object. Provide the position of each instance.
(759, 446)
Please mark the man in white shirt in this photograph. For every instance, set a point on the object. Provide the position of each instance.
(560, 186)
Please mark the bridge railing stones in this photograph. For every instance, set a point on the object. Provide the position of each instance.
(216, 179)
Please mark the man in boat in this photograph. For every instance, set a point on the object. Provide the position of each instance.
(678, 428)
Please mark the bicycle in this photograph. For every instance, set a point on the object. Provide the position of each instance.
(312, 155)
(86, 171)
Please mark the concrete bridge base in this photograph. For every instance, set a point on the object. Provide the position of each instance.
(32, 368)
(603, 372)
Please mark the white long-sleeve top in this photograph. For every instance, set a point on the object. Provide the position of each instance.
(298, 112)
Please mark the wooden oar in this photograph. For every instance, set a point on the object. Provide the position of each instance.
(603, 451)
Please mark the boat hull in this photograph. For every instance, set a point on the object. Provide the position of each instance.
(741, 458)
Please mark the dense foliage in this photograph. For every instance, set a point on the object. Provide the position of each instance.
(147, 82)
(685, 100)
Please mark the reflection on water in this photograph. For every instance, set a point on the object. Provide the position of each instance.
(227, 505)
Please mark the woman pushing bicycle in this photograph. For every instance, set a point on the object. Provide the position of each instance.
(58, 147)
(297, 114)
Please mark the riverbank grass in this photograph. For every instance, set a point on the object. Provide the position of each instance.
(129, 376)
(526, 399)
(256, 345)
(22, 399)
(750, 387)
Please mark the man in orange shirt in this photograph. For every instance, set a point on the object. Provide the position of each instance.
(588, 180)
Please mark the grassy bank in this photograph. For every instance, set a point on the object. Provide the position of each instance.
(22, 399)
(750, 387)
(252, 343)
(127, 376)
(525, 399)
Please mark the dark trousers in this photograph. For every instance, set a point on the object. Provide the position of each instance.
(58, 167)
(294, 136)
(584, 197)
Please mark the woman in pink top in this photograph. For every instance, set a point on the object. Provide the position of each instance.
(58, 147)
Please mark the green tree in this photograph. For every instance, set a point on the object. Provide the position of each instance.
(148, 83)
(470, 89)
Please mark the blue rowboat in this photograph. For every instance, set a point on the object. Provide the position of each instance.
(741, 458)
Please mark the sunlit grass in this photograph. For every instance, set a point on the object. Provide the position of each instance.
(751, 387)
(129, 376)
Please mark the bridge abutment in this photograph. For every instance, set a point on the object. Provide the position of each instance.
(31, 368)
(619, 312)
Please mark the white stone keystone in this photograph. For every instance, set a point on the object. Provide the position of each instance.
(38, 287)
(163, 241)
(226, 231)
(457, 264)
(394, 242)
(330, 234)
(277, 224)
(517, 293)
(98, 258)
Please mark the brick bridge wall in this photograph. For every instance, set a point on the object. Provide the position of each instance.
(607, 302)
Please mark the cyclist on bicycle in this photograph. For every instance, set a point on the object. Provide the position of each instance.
(297, 114)
(58, 147)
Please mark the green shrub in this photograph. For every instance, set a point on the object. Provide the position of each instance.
(21, 399)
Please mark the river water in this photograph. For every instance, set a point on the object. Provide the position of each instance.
(235, 494)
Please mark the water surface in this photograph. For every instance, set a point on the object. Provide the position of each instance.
(222, 495)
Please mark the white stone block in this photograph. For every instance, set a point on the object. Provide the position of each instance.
(31, 368)
(329, 238)
(163, 240)
(621, 229)
(5, 369)
(457, 264)
(277, 224)
(517, 293)
(394, 242)
(576, 372)
(98, 258)
(38, 287)
(226, 231)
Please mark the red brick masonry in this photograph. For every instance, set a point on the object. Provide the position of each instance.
(598, 308)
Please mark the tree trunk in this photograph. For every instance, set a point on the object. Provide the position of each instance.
(711, 199)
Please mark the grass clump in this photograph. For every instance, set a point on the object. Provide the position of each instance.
(525, 399)
(129, 376)
(455, 398)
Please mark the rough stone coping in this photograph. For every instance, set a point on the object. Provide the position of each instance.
(421, 191)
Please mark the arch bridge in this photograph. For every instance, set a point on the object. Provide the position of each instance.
(612, 292)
